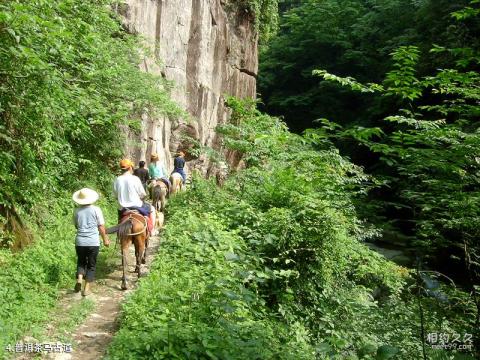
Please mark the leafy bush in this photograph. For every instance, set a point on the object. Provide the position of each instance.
(201, 299)
(273, 263)
(428, 155)
(30, 280)
(294, 204)
(70, 80)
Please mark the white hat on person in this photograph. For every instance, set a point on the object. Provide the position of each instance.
(85, 196)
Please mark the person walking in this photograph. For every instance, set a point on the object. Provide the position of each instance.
(90, 224)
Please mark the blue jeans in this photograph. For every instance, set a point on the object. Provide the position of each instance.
(143, 210)
(181, 172)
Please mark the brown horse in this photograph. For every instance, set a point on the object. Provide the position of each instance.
(132, 228)
(177, 183)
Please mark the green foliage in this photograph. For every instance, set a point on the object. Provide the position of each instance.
(352, 38)
(401, 81)
(303, 222)
(429, 150)
(201, 299)
(265, 14)
(273, 266)
(70, 81)
(252, 133)
(433, 159)
(30, 280)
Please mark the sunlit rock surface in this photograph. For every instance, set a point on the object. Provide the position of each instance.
(208, 49)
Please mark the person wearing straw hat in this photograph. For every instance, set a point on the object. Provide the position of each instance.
(90, 225)
(157, 171)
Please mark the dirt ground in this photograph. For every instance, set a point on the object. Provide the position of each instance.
(90, 338)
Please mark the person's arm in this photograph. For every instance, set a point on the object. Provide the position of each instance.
(75, 219)
(101, 226)
(103, 234)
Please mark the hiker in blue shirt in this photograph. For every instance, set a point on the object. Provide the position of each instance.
(90, 225)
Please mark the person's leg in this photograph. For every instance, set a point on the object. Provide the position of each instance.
(148, 211)
(145, 210)
(91, 268)
(184, 176)
(81, 266)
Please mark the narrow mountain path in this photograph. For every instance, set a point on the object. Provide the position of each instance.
(91, 338)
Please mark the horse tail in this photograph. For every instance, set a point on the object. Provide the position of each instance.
(124, 229)
(156, 196)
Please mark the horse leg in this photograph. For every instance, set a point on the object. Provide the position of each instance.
(160, 220)
(137, 254)
(162, 200)
(124, 266)
(140, 244)
(144, 255)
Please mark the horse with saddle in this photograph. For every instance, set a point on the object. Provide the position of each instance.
(137, 218)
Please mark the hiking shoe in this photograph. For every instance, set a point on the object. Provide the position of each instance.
(78, 287)
(86, 290)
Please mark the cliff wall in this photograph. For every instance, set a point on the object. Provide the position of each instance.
(207, 48)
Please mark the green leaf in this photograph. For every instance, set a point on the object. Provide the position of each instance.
(386, 352)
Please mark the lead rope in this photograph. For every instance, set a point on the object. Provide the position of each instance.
(144, 225)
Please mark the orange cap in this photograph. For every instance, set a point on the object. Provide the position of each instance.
(126, 163)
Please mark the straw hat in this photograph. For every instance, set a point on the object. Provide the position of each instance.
(154, 157)
(85, 196)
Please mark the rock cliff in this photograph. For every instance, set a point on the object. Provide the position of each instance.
(207, 48)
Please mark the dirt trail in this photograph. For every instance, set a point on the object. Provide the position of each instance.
(91, 338)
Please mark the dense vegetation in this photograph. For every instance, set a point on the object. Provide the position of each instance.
(273, 265)
(352, 38)
(68, 80)
(412, 119)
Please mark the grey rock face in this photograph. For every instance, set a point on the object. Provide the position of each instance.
(207, 50)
